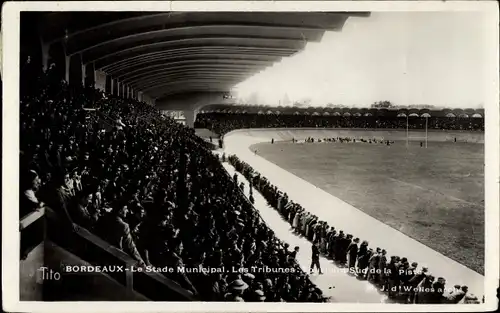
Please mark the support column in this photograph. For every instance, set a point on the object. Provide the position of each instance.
(67, 69)
(84, 68)
(101, 80)
(75, 70)
(89, 75)
(45, 55)
(56, 56)
(189, 115)
(107, 84)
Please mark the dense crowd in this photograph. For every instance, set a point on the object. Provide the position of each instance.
(343, 140)
(150, 187)
(223, 123)
(404, 281)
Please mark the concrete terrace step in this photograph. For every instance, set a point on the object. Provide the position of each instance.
(84, 286)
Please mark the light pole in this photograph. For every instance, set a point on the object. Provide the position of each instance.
(407, 133)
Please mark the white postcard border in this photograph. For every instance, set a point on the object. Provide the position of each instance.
(10, 163)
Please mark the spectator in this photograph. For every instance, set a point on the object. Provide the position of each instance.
(80, 210)
(118, 233)
(352, 252)
(29, 202)
(236, 289)
(364, 255)
(315, 258)
(425, 290)
(293, 254)
(457, 294)
(438, 289)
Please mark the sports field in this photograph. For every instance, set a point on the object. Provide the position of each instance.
(434, 195)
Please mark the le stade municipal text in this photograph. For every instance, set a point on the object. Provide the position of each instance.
(178, 269)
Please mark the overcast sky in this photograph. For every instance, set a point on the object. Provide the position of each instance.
(434, 58)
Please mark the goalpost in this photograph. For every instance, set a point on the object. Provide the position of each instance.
(408, 131)
(426, 121)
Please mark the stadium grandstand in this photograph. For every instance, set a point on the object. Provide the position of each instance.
(225, 119)
(114, 175)
(116, 181)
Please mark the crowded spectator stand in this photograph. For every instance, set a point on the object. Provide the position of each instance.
(223, 123)
(151, 188)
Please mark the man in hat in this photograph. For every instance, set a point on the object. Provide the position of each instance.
(235, 290)
(118, 233)
(405, 272)
(259, 296)
(364, 255)
(417, 278)
(293, 254)
(352, 252)
(438, 287)
(336, 245)
(315, 258)
(80, 211)
(60, 199)
(424, 290)
(382, 264)
(392, 278)
(344, 244)
(248, 278)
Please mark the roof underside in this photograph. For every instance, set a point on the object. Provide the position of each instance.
(162, 54)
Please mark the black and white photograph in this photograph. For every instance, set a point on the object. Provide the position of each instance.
(250, 157)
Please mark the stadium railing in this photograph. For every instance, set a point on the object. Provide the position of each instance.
(45, 224)
(32, 231)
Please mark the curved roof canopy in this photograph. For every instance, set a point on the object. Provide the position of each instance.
(168, 53)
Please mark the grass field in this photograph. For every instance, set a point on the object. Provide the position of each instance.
(434, 195)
